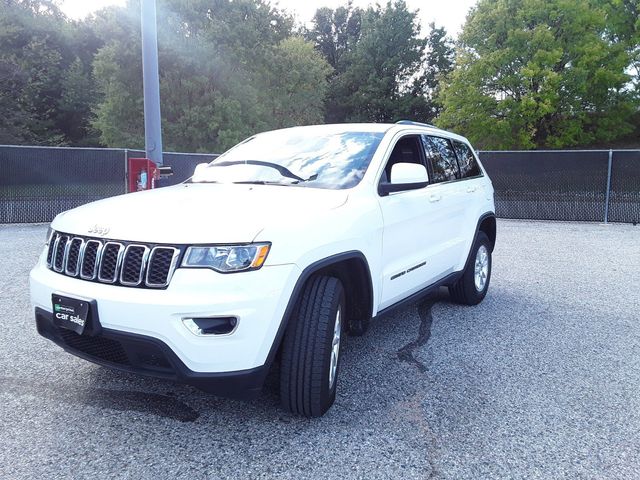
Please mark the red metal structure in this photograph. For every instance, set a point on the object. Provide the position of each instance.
(143, 174)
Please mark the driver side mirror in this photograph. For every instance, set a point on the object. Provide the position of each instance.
(405, 176)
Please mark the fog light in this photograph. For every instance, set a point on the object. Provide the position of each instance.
(211, 325)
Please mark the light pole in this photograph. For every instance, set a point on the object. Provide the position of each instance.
(151, 82)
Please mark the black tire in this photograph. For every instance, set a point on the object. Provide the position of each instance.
(306, 349)
(464, 291)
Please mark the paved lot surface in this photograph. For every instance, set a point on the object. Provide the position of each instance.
(542, 380)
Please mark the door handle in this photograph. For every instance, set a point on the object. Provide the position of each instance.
(435, 198)
(471, 189)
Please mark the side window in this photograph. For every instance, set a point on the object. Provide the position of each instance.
(442, 157)
(406, 150)
(468, 164)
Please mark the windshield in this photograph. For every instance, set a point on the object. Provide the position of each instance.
(296, 157)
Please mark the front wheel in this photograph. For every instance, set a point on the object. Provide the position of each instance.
(472, 286)
(311, 348)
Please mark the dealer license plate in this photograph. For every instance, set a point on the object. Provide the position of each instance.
(70, 313)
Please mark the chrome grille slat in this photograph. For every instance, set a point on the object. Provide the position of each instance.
(90, 258)
(109, 261)
(59, 253)
(160, 275)
(132, 264)
(51, 249)
(72, 256)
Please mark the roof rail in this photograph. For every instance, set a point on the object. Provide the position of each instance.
(409, 122)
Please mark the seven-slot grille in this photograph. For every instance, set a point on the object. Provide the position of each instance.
(108, 261)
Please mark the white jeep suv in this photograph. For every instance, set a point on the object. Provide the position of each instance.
(272, 251)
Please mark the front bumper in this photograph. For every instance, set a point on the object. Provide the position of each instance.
(148, 356)
(257, 299)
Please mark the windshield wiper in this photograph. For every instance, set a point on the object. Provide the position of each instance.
(262, 182)
(284, 171)
(310, 179)
(267, 182)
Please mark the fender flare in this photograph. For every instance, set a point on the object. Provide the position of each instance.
(482, 218)
(307, 273)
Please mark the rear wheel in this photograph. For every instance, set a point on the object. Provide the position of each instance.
(311, 348)
(472, 286)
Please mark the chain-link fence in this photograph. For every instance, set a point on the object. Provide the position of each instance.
(624, 201)
(587, 185)
(37, 183)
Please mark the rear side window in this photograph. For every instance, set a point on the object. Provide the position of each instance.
(468, 164)
(442, 158)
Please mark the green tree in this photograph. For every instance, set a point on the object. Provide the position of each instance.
(437, 65)
(117, 70)
(298, 83)
(378, 76)
(623, 25)
(421, 102)
(44, 83)
(227, 70)
(335, 33)
(539, 73)
(75, 105)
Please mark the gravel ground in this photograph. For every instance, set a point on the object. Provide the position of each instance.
(539, 381)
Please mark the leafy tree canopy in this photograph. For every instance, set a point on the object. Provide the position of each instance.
(523, 74)
(228, 69)
(45, 84)
(542, 73)
(381, 65)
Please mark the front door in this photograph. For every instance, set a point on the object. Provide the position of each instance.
(411, 233)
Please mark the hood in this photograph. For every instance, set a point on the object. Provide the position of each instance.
(197, 213)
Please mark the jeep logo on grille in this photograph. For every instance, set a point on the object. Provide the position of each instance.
(98, 230)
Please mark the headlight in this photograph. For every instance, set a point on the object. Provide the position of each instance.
(226, 259)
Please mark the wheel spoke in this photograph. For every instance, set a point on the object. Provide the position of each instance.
(335, 348)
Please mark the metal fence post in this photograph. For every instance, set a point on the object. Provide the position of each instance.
(126, 170)
(606, 200)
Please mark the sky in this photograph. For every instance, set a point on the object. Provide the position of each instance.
(449, 14)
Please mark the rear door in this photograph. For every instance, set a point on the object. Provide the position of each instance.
(447, 193)
(473, 186)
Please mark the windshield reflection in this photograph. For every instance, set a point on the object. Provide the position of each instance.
(298, 158)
